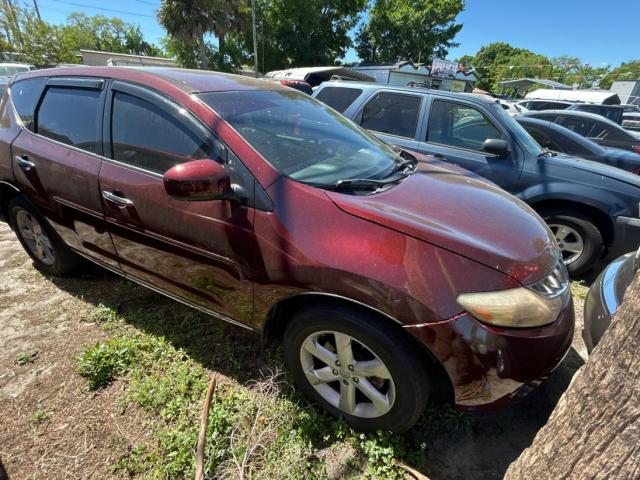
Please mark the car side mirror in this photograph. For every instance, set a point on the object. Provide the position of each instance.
(198, 180)
(496, 146)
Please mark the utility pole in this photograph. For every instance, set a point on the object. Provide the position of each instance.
(255, 41)
(35, 4)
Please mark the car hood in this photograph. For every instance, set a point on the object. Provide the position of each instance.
(594, 167)
(464, 215)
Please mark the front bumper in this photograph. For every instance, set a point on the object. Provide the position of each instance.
(489, 365)
(604, 298)
(626, 237)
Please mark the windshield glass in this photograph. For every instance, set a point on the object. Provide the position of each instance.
(302, 138)
(9, 70)
(526, 141)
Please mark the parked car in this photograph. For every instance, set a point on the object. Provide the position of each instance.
(261, 206)
(8, 69)
(562, 140)
(605, 297)
(611, 112)
(631, 122)
(538, 105)
(591, 208)
(299, 85)
(512, 108)
(594, 127)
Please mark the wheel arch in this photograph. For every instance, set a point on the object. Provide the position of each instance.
(599, 217)
(7, 192)
(284, 310)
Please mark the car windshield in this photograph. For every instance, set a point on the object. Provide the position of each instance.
(302, 138)
(9, 70)
(526, 141)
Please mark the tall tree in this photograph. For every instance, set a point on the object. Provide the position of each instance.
(409, 29)
(294, 33)
(627, 71)
(187, 21)
(594, 431)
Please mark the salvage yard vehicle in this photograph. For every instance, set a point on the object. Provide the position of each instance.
(390, 281)
(605, 296)
(594, 127)
(591, 208)
(557, 138)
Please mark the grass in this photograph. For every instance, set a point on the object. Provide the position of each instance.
(258, 427)
(40, 416)
(26, 356)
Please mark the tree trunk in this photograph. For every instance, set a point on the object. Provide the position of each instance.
(202, 53)
(221, 46)
(594, 431)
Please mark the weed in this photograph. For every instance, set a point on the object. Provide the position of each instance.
(102, 363)
(26, 356)
(40, 416)
(105, 313)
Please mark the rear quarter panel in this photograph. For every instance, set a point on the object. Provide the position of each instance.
(9, 129)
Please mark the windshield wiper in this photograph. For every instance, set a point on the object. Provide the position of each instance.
(404, 163)
(363, 183)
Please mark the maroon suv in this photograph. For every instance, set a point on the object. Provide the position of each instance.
(389, 280)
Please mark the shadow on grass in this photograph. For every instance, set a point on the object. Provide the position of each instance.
(444, 444)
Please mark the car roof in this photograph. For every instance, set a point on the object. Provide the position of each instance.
(191, 81)
(573, 113)
(368, 86)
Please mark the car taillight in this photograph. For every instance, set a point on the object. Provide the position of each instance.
(636, 148)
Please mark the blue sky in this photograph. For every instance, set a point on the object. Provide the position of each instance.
(597, 32)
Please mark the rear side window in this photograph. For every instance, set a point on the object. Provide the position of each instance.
(338, 98)
(25, 95)
(146, 136)
(70, 115)
(392, 113)
(460, 126)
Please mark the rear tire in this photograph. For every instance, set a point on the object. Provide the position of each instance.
(388, 392)
(579, 239)
(49, 253)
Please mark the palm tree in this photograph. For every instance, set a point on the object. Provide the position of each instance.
(226, 16)
(188, 21)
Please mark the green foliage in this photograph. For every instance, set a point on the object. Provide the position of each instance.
(40, 416)
(43, 43)
(102, 363)
(627, 71)
(188, 22)
(409, 29)
(26, 356)
(104, 314)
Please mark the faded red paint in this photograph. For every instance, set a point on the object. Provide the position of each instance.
(407, 252)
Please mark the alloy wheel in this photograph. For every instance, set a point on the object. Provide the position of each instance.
(570, 242)
(347, 374)
(35, 237)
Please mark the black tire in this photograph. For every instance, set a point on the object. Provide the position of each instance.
(64, 261)
(593, 244)
(401, 357)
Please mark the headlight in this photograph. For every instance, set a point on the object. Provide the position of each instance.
(531, 306)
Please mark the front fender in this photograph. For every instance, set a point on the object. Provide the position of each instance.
(606, 201)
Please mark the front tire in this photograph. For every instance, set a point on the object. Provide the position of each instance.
(357, 366)
(47, 250)
(579, 239)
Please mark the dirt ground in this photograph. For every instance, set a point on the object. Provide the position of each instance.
(50, 428)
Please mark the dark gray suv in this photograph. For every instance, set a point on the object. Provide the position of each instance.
(591, 208)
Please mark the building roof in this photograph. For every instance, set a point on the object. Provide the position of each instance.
(97, 58)
(527, 83)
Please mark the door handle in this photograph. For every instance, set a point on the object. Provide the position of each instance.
(24, 163)
(116, 199)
